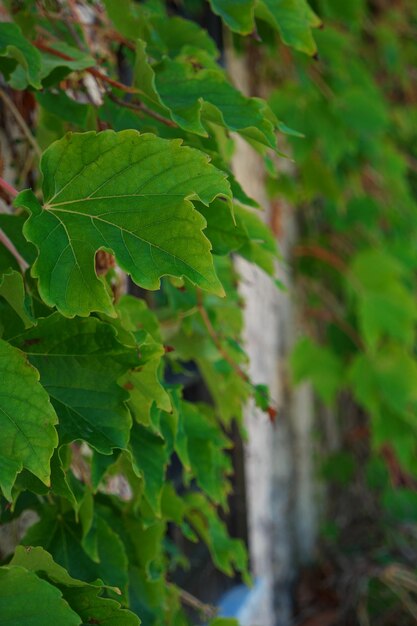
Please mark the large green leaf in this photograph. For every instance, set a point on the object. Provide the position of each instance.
(27, 599)
(127, 193)
(27, 420)
(80, 361)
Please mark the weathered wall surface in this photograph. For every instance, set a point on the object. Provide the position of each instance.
(278, 457)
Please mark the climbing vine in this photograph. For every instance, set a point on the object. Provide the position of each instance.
(119, 120)
(354, 186)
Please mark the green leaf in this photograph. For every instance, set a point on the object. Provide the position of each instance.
(260, 246)
(228, 554)
(12, 289)
(37, 560)
(197, 96)
(239, 16)
(27, 420)
(80, 361)
(27, 599)
(169, 36)
(15, 47)
(12, 225)
(150, 457)
(206, 444)
(225, 234)
(58, 533)
(130, 194)
(103, 611)
(82, 597)
(55, 68)
(64, 107)
(127, 16)
(145, 390)
(320, 365)
(293, 19)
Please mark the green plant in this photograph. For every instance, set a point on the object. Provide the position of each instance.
(134, 178)
(354, 187)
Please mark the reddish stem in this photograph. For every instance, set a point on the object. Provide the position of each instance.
(322, 254)
(8, 188)
(91, 70)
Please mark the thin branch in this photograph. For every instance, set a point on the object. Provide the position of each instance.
(91, 70)
(212, 332)
(9, 189)
(77, 18)
(4, 239)
(139, 106)
(187, 598)
(21, 122)
(273, 408)
(317, 252)
(7, 243)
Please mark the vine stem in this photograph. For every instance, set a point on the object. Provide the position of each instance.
(273, 408)
(4, 239)
(135, 106)
(9, 189)
(139, 106)
(317, 252)
(21, 122)
(212, 332)
(91, 70)
(7, 243)
(187, 598)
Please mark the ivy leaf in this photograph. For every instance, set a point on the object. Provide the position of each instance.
(225, 233)
(55, 68)
(59, 534)
(12, 225)
(64, 107)
(150, 458)
(84, 598)
(18, 51)
(260, 246)
(13, 291)
(239, 16)
(27, 420)
(27, 599)
(80, 362)
(126, 193)
(320, 365)
(103, 611)
(227, 553)
(293, 19)
(170, 36)
(38, 560)
(194, 97)
(205, 444)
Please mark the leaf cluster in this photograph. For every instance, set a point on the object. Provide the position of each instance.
(135, 118)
